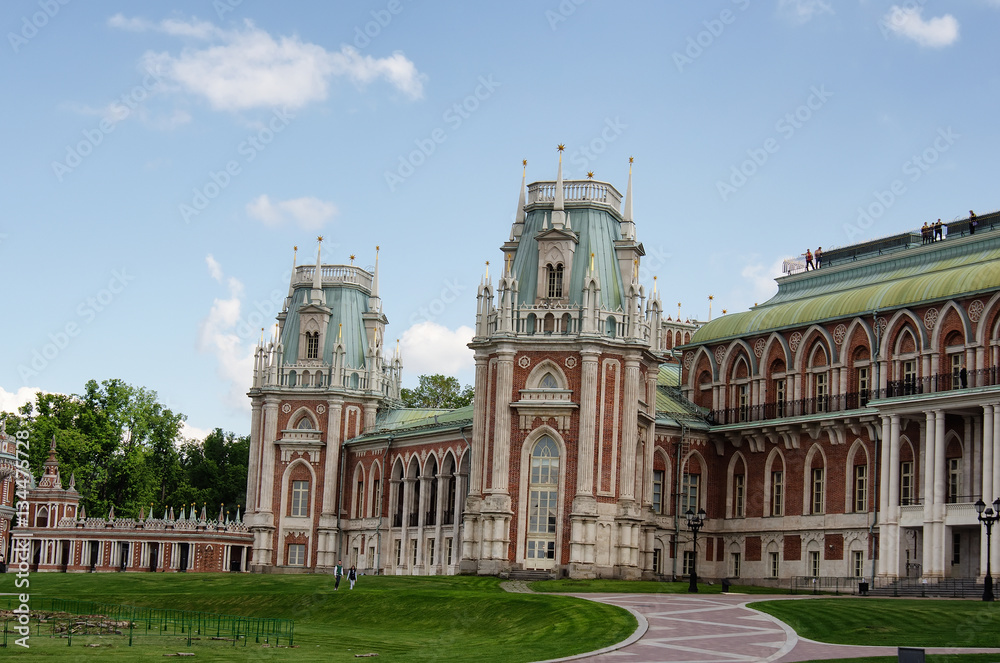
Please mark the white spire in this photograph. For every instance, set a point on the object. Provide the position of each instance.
(558, 215)
(628, 231)
(317, 289)
(519, 216)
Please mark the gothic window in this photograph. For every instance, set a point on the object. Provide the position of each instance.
(658, 491)
(864, 384)
(305, 423)
(300, 498)
(907, 494)
(543, 494)
(817, 490)
(549, 382)
(860, 488)
(689, 492)
(739, 490)
(777, 493)
(954, 480)
(312, 345)
(555, 281)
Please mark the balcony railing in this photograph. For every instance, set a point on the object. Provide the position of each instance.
(397, 520)
(430, 518)
(414, 519)
(940, 383)
(448, 518)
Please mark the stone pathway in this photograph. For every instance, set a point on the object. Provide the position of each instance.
(717, 628)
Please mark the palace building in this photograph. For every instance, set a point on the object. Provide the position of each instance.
(843, 428)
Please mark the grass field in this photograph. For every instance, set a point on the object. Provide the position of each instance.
(893, 622)
(447, 618)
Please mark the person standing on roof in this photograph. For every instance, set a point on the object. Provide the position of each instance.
(809, 260)
(938, 230)
(819, 257)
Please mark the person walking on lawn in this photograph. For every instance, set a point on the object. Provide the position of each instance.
(338, 572)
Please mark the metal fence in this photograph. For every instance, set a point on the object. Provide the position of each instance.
(69, 618)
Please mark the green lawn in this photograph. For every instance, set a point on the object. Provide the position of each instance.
(449, 618)
(640, 587)
(893, 622)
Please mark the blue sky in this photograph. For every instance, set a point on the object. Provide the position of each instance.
(162, 159)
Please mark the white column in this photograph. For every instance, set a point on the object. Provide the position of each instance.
(253, 463)
(883, 501)
(501, 432)
(630, 433)
(940, 493)
(927, 493)
(331, 466)
(892, 530)
(987, 478)
(479, 424)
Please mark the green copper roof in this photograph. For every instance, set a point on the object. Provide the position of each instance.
(597, 231)
(416, 421)
(346, 304)
(922, 274)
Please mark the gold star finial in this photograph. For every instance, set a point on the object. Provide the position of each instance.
(590, 174)
(524, 162)
(319, 239)
(295, 248)
(561, 147)
(630, 159)
(352, 258)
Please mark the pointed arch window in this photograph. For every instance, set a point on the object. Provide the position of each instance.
(555, 281)
(549, 382)
(312, 345)
(542, 505)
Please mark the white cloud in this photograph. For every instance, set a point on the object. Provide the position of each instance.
(907, 22)
(803, 11)
(218, 335)
(248, 68)
(189, 432)
(214, 268)
(429, 348)
(11, 401)
(308, 213)
(760, 279)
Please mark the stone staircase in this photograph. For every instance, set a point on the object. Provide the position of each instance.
(530, 575)
(946, 588)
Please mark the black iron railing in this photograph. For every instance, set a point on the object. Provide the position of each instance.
(933, 384)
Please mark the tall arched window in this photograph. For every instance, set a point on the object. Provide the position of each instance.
(312, 345)
(556, 280)
(543, 492)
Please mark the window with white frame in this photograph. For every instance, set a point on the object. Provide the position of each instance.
(814, 563)
(822, 391)
(956, 370)
(296, 554)
(312, 345)
(907, 493)
(300, 498)
(777, 493)
(858, 563)
(739, 491)
(689, 492)
(817, 490)
(430, 549)
(743, 401)
(399, 552)
(734, 564)
(774, 564)
(688, 564)
(910, 376)
(860, 488)
(954, 480)
(658, 476)
(413, 552)
(657, 560)
(864, 385)
(779, 398)
(448, 548)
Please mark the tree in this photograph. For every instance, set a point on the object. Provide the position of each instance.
(438, 391)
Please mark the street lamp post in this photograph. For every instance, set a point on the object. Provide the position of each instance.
(695, 522)
(988, 516)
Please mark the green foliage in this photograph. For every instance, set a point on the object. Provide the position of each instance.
(125, 449)
(438, 391)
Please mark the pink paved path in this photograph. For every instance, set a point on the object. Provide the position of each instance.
(714, 627)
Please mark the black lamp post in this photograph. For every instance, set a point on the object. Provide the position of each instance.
(695, 522)
(988, 516)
